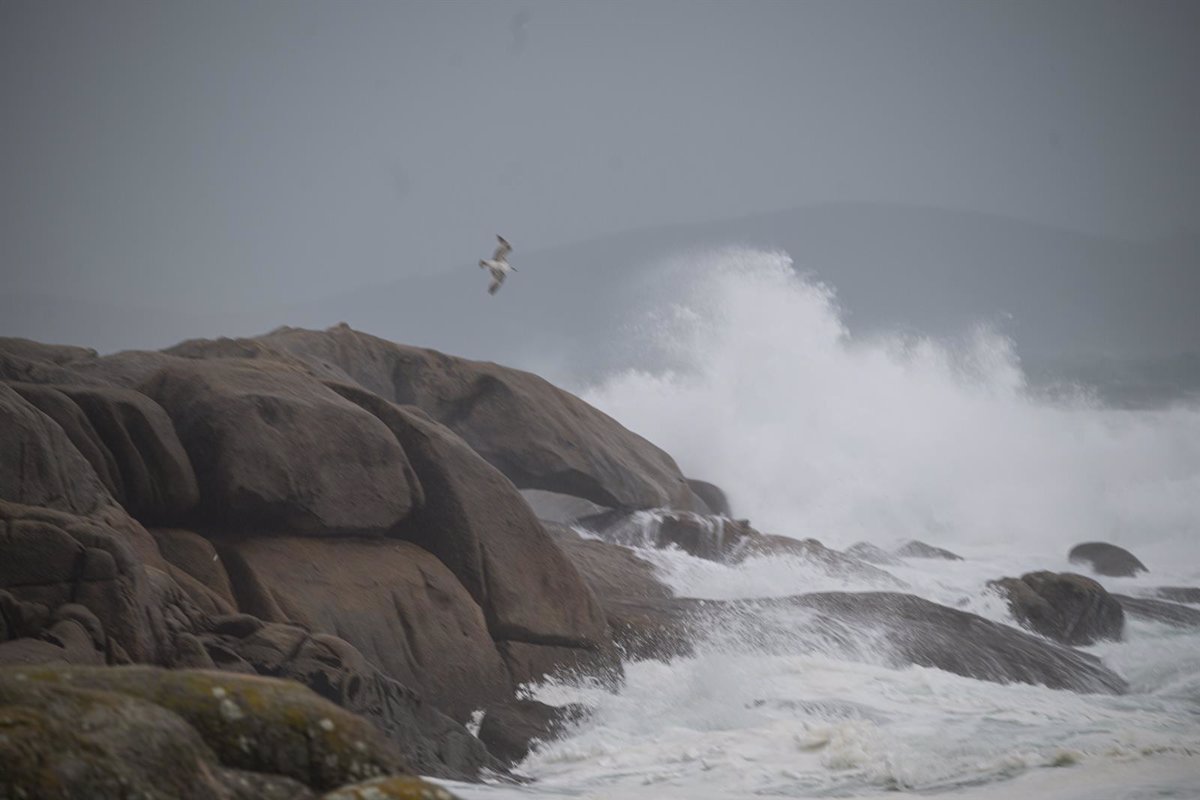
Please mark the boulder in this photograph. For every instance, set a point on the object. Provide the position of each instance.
(1175, 614)
(1179, 594)
(275, 450)
(560, 508)
(130, 442)
(161, 728)
(918, 549)
(715, 501)
(39, 465)
(611, 570)
(53, 558)
(1106, 559)
(432, 743)
(196, 566)
(872, 554)
(1065, 607)
(396, 603)
(510, 730)
(538, 435)
(477, 523)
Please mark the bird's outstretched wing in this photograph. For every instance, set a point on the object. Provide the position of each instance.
(502, 249)
(495, 284)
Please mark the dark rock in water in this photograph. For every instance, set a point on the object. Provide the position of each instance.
(1179, 594)
(714, 498)
(510, 730)
(912, 630)
(400, 606)
(917, 549)
(274, 449)
(865, 551)
(1180, 616)
(430, 742)
(611, 570)
(1065, 607)
(725, 540)
(931, 635)
(177, 733)
(1106, 559)
(477, 523)
(528, 663)
(833, 563)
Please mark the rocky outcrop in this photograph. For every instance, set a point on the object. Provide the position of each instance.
(510, 730)
(872, 554)
(432, 743)
(918, 549)
(538, 435)
(1106, 559)
(715, 501)
(185, 734)
(400, 606)
(861, 625)
(1179, 594)
(275, 450)
(724, 540)
(1065, 607)
(477, 523)
(1175, 614)
(391, 787)
(130, 443)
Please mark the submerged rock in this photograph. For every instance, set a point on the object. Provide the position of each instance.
(1065, 607)
(918, 549)
(1180, 616)
(1106, 559)
(510, 730)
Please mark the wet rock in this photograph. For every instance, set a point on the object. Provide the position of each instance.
(1179, 594)
(611, 570)
(865, 551)
(33, 362)
(530, 663)
(476, 522)
(195, 564)
(917, 549)
(1106, 559)
(714, 498)
(1065, 607)
(398, 604)
(510, 730)
(1175, 614)
(274, 449)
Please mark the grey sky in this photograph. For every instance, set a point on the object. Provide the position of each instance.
(223, 155)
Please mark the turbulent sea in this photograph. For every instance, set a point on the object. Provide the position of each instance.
(751, 380)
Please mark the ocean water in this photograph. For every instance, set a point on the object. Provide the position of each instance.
(751, 380)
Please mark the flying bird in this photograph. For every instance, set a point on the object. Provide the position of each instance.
(498, 264)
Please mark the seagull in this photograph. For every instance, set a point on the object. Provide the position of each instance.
(498, 264)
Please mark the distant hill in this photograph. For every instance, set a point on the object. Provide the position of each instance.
(1063, 297)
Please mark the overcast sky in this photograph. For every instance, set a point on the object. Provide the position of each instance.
(226, 154)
